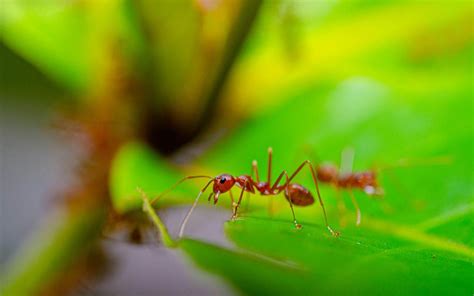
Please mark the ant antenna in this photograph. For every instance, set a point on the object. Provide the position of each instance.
(412, 162)
(356, 206)
(186, 218)
(176, 185)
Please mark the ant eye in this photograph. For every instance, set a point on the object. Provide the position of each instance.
(223, 183)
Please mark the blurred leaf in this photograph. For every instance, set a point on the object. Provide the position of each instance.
(172, 28)
(334, 37)
(50, 35)
(76, 42)
(61, 243)
(393, 80)
(193, 48)
(137, 166)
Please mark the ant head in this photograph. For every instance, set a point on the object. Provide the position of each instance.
(327, 173)
(370, 184)
(374, 191)
(222, 183)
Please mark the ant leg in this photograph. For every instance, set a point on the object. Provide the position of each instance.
(175, 185)
(231, 197)
(247, 204)
(341, 206)
(356, 206)
(234, 214)
(269, 178)
(309, 150)
(147, 208)
(298, 226)
(270, 153)
(272, 189)
(313, 174)
(186, 218)
(287, 184)
(210, 196)
(255, 171)
(232, 200)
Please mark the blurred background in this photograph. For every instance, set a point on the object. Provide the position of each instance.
(99, 97)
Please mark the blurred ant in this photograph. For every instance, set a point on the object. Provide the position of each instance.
(296, 194)
(344, 178)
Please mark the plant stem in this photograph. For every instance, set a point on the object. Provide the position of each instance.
(167, 240)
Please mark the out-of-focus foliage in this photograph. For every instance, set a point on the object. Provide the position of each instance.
(53, 249)
(391, 79)
(34, 29)
(399, 95)
(71, 41)
(154, 179)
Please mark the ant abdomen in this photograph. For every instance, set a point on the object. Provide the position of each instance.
(299, 195)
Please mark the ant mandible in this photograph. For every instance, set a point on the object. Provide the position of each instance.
(296, 194)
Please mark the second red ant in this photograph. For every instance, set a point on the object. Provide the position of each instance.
(295, 194)
(344, 178)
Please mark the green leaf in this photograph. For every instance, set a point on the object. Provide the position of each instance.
(138, 166)
(285, 260)
(173, 29)
(254, 274)
(417, 239)
(52, 36)
(68, 235)
(362, 260)
(71, 42)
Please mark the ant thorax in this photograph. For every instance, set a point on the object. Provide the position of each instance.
(245, 182)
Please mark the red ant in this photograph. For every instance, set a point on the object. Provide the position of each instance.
(344, 178)
(366, 181)
(296, 194)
